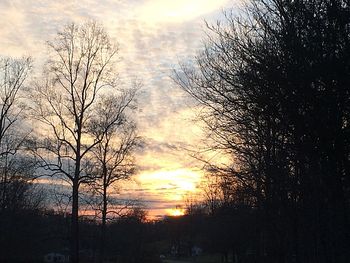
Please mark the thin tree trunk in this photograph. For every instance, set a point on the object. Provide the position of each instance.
(103, 226)
(4, 193)
(74, 252)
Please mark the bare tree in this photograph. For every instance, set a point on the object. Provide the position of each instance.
(113, 155)
(80, 66)
(13, 73)
(274, 87)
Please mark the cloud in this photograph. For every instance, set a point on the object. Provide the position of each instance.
(177, 11)
(154, 36)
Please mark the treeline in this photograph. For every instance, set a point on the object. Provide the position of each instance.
(30, 235)
(274, 86)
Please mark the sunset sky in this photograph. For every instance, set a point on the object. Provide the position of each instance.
(154, 37)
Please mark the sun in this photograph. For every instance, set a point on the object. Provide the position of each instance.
(178, 211)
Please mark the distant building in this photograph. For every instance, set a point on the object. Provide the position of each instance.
(185, 249)
(56, 258)
(196, 251)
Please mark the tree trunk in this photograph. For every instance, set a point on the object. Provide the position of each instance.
(74, 251)
(4, 192)
(103, 226)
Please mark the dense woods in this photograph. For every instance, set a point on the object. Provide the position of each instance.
(275, 83)
(273, 86)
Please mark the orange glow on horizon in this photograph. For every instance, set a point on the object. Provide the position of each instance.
(178, 211)
(172, 184)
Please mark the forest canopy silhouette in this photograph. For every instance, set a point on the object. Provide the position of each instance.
(273, 86)
(275, 82)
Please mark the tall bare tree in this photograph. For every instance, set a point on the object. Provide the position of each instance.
(81, 64)
(113, 155)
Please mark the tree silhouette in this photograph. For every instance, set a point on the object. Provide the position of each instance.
(112, 156)
(275, 87)
(80, 66)
(13, 74)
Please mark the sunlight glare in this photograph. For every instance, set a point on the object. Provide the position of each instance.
(174, 183)
(175, 211)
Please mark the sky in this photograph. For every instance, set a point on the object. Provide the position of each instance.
(154, 36)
